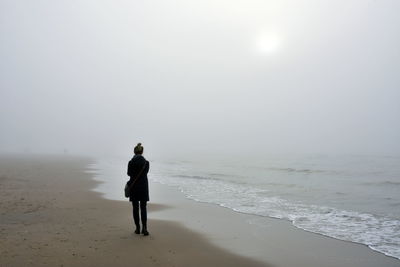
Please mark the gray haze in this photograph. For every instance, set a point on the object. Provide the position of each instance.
(245, 76)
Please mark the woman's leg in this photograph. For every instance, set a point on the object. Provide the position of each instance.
(143, 215)
(135, 212)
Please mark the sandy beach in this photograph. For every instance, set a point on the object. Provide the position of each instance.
(50, 217)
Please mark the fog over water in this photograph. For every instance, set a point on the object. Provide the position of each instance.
(96, 77)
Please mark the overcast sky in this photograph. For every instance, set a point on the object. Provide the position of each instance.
(283, 76)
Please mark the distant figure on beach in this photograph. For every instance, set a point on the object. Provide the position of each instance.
(138, 167)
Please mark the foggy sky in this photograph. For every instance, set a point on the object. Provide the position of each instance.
(193, 76)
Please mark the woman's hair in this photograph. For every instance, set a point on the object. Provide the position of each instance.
(138, 149)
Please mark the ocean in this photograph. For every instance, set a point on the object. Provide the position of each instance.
(348, 197)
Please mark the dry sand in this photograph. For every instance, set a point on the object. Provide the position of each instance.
(49, 217)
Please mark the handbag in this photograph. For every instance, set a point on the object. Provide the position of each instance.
(127, 189)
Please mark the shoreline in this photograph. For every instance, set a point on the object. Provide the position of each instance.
(110, 190)
(266, 239)
(62, 221)
(360, 226)
(290, 225)
(239, 239)
(285, 221)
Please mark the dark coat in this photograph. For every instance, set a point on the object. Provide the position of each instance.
(140, 190)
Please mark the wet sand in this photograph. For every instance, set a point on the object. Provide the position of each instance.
(273, 241)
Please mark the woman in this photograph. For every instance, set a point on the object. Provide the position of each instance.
(138, 167)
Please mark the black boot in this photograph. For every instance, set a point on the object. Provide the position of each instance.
(137, 231)
(144, 230)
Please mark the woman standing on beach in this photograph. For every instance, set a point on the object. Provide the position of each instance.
(138, 167)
